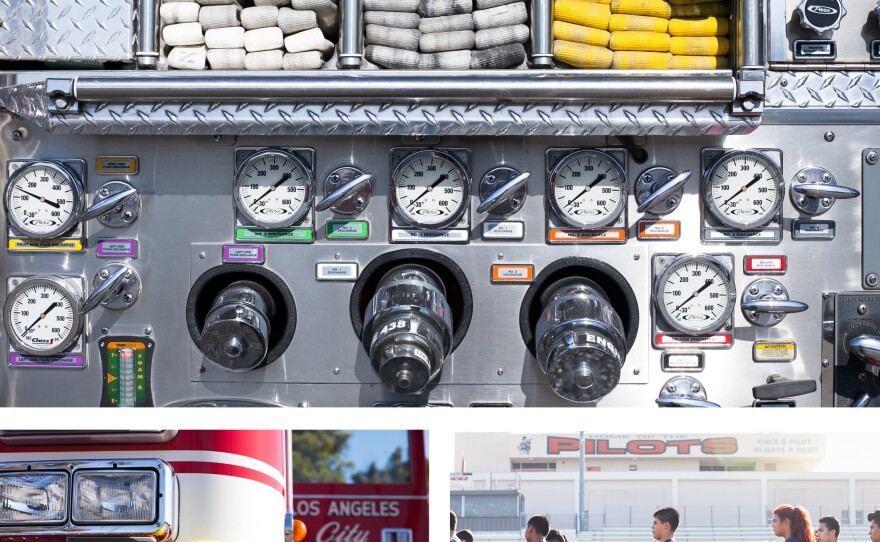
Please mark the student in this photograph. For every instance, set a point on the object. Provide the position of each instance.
(465, 535)
(537, 528)
(874, 528)
(829, 529)
(665, 523)
(793, 524)
(555, 536)
(453, 523)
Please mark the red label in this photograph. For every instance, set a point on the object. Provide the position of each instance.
(770, 265)
(718, 339)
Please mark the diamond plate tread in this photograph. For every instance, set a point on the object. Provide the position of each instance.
(67, 30)
(393, 118)
(839, 90)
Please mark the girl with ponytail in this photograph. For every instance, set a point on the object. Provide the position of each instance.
(793, 524)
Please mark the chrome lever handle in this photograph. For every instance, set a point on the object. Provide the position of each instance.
(667, 189)
(106, 289)
(107, 204)
(866, 348)
(501, 194)
(862, 401)
(819, 191)
(784, 306)
(343, 192)
(685, 402)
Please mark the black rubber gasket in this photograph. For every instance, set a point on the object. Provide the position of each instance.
(282, 325)
(458, 289)
(616, 287)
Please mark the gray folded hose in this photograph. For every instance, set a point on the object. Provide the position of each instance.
(504, 35)
(397, 38)
(226, 59)
(506, 15)
(447, 41)
(277, 3)
(325, 11)
(497, 58)
(219, 16)
(395, 59)
(292, 21)
(449, 23)
(264, 60)
(397, 19)
(215, 2)
(259, 17)
(486, 4)
(449, 60)
(439, 8)
(408, 6)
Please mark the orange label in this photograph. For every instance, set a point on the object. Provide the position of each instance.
(588, 236)
(118, 345)
(513, 273)
(659, 229)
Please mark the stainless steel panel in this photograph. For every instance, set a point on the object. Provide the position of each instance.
(823, 89)
(857, 29)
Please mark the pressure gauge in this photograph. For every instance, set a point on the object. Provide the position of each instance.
(430, 189)
(44, 200)
(588, 189)
(42, 316)
(744, 189)
(695, 294)
(273, 189)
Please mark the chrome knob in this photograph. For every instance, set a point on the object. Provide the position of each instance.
(684, 391)
(236, 331)
(821, 16)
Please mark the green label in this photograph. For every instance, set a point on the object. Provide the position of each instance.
(358, 229)
(295, 235)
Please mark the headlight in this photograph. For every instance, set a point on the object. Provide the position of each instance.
(33, 497)
(114, 496)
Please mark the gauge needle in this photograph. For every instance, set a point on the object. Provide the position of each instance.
(432, 187)
(272, 188)
(42, 315)
(695, 294)
(599, 178)
(745, 187)
(41, 198)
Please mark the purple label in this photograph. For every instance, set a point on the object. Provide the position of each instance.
(243, 253)
(17, 360)
(115, 248)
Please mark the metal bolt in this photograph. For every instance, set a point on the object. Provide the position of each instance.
(753, 290)
(826, 178)
(17, 135)
(148, 330)
(862, 377)
(695, 388)
(636, 371)
(826, 363)
(862, 309)
(336, 370)
(784, 82)
(127, 216)
(104, 274)
(778, 315)
(105, 217)
(102, 344)
(753, 315)
(671, 202)
(104, 192)
(802, 176)
(636, 257)
(217, 138)
(337, 256)
(303, 404)
(825, 295)
(648, 178)
(127, 298)
(777, 290)
(749, 104)
(359, 203)
(829, 136)
(61, 103)
(202, 255)
(202, 369)
(105, 330)
(826, 202)
(516, 202)
(334, 178)
(670, 388)
(500, 256)
(500, 372)
(872, 279)
(872, 158)
(802, 201)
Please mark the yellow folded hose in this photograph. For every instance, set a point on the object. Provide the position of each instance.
(699, 26)
(580, 34)
(582, 13)
(712, 9)
(636, 23)
(680, 62)
(581, 55)
(640, 60)
(649, 8)
(706, 46)
(639, 41)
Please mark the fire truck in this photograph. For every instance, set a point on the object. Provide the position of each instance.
(187, 486)
(582, 203)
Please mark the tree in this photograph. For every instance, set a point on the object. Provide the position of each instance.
(317, 456)
(396, 471)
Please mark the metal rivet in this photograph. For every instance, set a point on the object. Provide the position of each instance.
(515, 202)
(104, 273)
(303, 404)
(359, 203)
(872, 158)
(784, 82)
(862, 377)
(127, 216)
(500, 256)
(105, 330)
(802, 201)
(104, 192)
(777, 290)
(695, 388)
(753, 290)
(872, 279)
(148, 330)
(671, 202)
(826, 363)
(636, 371)
(862, 309)
(202, 255)
(337, 256)
(802, 176)
(102, 344)
(826, 202)
(825, 295)
(670, 388)
(127, 298)
(499, 372)
(826, 178)
(829, 136)
(202, 369)
(336, 370)
(61, 102)
(17, 135)
(648, 178)
(636, 257)
(334, 179)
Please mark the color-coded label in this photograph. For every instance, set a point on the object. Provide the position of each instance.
(659, 229)
(671, 339)
(244, 254)
(588, 236)
(336, 271)
(356, 229)
(126, 377)
(775, 351)
(281, 235)
(812, 229)
(513, 273)
(765, 265)
(682, 362)
(511, 230)
(46, 245)
(424, 236)
(116, 248)
(744, 235)
(17, 360)
(117, 165)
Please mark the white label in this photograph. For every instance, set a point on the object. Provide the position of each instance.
(814, 229)
(770, 264)
(683, 361)
(660, 228)
(417, 352)
(762, 234)
(337, 271)
(503, 230)
(701, 340)
(446, 236)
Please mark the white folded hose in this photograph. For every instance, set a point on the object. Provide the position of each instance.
(408, 6)
(231, 37)
(307, 60)
(397, 38)
(448, 23)
(219, 16)
(310, 40)
(215, 2)
(446, 41)
(506, 15)
(187, 58)
(325, 11)
(292, 21)
(183, 34)
(449, 60)
(486, 4)
(179, 12)
(397, 19)
(227, 59)
(503, 35)
(394, 59)
(259, 17)
(264, 60)
(263, 39)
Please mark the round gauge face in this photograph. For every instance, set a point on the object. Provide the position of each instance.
(43, 200)
(588, 189)
(695, 294)
(744, 189)
(273, 189)
(42, 317)
(430, 190)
